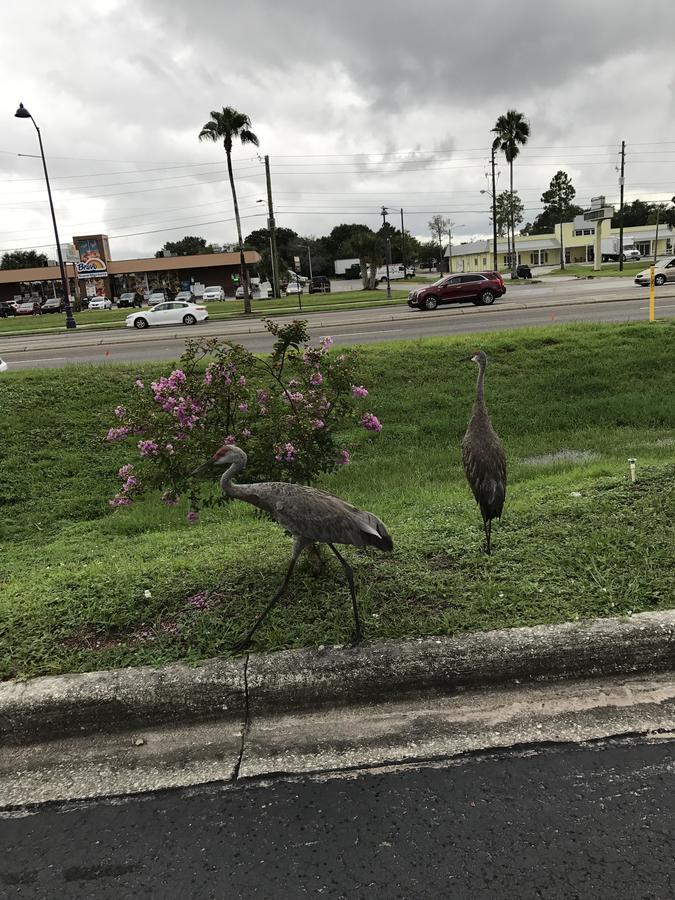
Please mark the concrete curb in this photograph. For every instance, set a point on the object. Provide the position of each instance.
(232, 333)
(57, 706)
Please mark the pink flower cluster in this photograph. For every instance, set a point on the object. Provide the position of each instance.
(326, 343)
(315, 379)
(285, 453)
(343, 457)
(148, 449)
(359, 391)
(198, 601)
(371, 422)
(139, 384)
(131, 485)
(170, 498)
(118, 434)
(120, 412)
(192, 517)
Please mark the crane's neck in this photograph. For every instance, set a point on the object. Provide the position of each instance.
(480, 382)
(234, 469)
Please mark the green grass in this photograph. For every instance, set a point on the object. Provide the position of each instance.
(608, 270)
(73, 573)
(230, 309)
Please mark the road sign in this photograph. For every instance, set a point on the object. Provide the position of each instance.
(296, 261)
(602, 212)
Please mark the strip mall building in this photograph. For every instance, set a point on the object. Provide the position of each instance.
(92, 272)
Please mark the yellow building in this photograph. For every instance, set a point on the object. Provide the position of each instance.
(543, 250)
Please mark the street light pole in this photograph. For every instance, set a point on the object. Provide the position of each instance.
(22, 113)
(309, 257)
(494, 212)
(384, 215)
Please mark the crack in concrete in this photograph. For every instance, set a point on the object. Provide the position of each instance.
(247, 721)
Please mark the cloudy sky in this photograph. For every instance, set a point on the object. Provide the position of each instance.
(357, 104)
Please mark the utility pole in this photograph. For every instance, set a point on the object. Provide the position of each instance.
(494, 213)
(272, 229)
(450, 224)
(621, 182)
(403, 245)
(656, 242)
(384, 214)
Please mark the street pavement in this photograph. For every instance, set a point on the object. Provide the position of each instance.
(523, 306)
(593, 821)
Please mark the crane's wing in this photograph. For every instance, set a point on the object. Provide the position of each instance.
(318, 515)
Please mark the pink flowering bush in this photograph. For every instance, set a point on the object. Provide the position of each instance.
(286, 411)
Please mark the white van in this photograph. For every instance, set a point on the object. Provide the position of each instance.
(396, 272)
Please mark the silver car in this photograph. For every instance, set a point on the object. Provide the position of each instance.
(664, 270)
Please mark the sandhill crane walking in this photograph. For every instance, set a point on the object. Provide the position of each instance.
(308, 514)
(483, 456)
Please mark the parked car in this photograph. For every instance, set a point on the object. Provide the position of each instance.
(523, 271)
(52, 306)
(100, 303)
(7, 309)
(664, 270)
(320, 284)
(481, 288)
(29, 308)
(184, 296)
(177, 312)
(215, 292)
(3, 365)
(156, 297)
(293, 287)
(130, 299)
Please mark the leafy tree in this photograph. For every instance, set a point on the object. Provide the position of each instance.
(636, 213)
(557, 201)
(438, 226)
(23, 259)
(512, 132)
(186, 246)
(228, 126)
(546, 221)
(367, 246)
(509, 209)
(669, 215)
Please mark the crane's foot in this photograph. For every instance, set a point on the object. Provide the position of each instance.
(357, 637)
(241, 644)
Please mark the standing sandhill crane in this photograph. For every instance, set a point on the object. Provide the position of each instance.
(308, 514)
(483, 456)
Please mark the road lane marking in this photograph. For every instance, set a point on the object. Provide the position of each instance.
(374, 331)
(45, 359)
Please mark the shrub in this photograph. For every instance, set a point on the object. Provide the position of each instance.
(286, 411)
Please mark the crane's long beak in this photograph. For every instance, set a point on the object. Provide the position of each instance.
(203, 468)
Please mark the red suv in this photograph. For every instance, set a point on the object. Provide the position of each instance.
(481, 288)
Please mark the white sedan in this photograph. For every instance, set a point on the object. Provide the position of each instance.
(99, 303)
(174, 313)
(3, 365)
(293, 287)
(215, 292)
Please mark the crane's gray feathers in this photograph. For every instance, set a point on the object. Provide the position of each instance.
(483, 457)
(315, 515)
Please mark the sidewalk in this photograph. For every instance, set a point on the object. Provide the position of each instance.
(331, 709)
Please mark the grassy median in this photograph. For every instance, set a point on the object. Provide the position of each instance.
(229, 309)
(83, 587)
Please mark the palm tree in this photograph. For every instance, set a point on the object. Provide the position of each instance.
(512, 130)
(226, 126)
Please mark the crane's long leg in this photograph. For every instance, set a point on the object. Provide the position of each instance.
(350, 579)
(243, 642)
(487, 525)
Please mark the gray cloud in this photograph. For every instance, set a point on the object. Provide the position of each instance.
(126, 89)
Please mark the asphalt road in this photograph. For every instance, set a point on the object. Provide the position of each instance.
(564, 301)
(568, 822)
